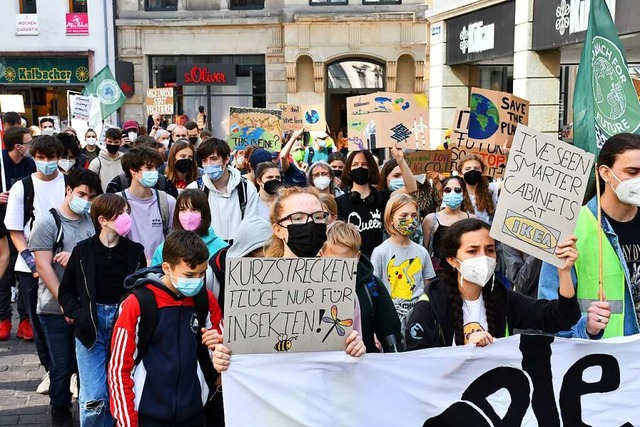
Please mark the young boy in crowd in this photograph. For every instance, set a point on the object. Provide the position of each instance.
(108, 163)
(160, 383)
(378, 315)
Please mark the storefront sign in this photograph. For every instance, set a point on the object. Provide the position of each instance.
(159, 101)
(77, 24)
(16, 70)
(564, 22)
(26, 24)
(206, 74)
(481, 35)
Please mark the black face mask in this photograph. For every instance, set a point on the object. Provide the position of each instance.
(472, 177)
(359, 175)
(193, 140)
(183, 165)
(306, 240)
(271, 187)
(113, 148)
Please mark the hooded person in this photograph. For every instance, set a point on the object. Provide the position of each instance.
(108, 164)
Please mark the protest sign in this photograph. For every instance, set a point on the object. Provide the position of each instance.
(291, 117)
(103, 133)
(544, 185)
(81, 108)
(11, 103)
(383, 119)
(159, 101)
(493, 156)
(425, 161)
(495, 116)
(277, 305)
(524, 380)
(309, 117)
(255, 126)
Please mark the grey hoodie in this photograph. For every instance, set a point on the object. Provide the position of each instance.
(106, 167)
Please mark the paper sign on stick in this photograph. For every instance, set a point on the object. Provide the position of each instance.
(426, 161)
(544, 185)
(159, 101)
(81, 108)
(275, 305)
(255, 126)
(495, 115)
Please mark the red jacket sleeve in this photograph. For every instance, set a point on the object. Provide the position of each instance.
(121, 364)
(215, 313)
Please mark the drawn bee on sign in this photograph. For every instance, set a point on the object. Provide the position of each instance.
(284, 343)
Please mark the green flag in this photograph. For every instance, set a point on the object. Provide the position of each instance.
(104, 88)
(604, 102)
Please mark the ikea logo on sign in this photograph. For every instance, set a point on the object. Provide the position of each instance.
(531, 231)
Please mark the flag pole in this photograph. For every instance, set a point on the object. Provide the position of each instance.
(600, 271)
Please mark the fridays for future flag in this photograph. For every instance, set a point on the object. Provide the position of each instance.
(605, 101)
(104, 90)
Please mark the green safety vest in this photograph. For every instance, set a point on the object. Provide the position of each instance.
(587, 271)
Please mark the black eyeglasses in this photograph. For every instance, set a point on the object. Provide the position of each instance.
(456, 190)
(301, 218)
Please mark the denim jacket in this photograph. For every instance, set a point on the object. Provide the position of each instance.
(549, 285)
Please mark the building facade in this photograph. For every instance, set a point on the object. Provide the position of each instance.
(257, 53)
(51, 47)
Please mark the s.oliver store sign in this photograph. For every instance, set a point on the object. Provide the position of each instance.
(206, 74)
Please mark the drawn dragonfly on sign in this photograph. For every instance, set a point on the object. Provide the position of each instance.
(337, 323)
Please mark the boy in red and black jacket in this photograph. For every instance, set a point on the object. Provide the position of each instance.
(160, 374)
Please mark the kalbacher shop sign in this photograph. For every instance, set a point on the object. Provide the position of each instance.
(206, 74)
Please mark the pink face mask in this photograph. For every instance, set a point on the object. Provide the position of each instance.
(190, 220)
(122, 224)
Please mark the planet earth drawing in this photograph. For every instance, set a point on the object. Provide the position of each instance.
(312, 117)
(484, 119)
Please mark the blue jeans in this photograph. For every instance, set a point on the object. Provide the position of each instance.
(29, 294)
(92, 370)
(62, 356)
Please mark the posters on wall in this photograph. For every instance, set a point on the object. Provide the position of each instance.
(279, 305)
(382, 119)
(544, 185)
(255, 126)
(426, 161)
(495, 116)
(310, 117)
(524, 380)
(159, 101)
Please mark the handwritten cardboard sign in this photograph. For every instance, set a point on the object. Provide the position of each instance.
(425, 161)
(159, 101)
(309, 117)
(291, 117)
(495, 116)
(494, 156)
(81, 108)
(255, 126)
(275, 305)
(544, 184)
(383, 119)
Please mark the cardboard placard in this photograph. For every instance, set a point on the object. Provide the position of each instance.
(426, 161)
(494, 156)
(544, 185)
(309, 117)
(159, 101)
(255, 126)
(11, 103)
(495, 116)
(81, 108)
(291, 117)
(383, 119)
(291, 305)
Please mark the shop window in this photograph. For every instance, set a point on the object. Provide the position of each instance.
(496, 78)
(352, 74)
(78, 6)
(156, 5)
(28, 6)
(328, 2)
(246, 4)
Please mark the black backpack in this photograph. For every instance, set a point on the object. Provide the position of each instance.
(58, 244)
(242, 193)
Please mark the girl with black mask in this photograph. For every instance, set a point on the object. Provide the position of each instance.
(181, 167)
(268, 181)
(483, 196)
(363, 205)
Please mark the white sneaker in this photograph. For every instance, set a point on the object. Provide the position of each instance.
(43, 388)
(73, 387)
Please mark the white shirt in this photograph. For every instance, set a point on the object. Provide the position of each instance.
(474, 316)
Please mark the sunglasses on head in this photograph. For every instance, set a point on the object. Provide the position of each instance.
(448, 190)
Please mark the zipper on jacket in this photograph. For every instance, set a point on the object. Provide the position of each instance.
(86, 285)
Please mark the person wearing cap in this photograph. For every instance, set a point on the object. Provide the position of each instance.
(321, 146)
(259, 155)
(130, 130)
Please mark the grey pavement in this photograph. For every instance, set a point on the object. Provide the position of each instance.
(20, 374)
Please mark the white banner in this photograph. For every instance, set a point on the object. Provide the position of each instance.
(524, 380)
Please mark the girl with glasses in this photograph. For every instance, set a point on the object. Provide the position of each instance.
(456, 205)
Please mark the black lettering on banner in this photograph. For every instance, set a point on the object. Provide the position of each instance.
(536, 361)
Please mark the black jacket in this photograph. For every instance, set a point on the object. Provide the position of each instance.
(429, 323)
(77, 293)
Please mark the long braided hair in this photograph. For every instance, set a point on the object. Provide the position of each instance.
(450, 246)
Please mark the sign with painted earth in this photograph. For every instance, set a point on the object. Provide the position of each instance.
(485, 122)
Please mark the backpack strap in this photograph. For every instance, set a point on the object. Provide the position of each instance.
(162, 183)
(218, 262)
(124, 182)
(203, 187)
(29, 195)
(148, 320)
(58, 243)
(311, 154)
(242, 196)
(163, 207)
(201, 301)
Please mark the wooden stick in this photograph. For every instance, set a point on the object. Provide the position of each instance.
(600, 270)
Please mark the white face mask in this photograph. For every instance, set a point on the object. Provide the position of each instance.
(132, 136)
(66, 164)
(90, 141)
(322, 182)
(628, 191)
(48, 131)
(477, 270)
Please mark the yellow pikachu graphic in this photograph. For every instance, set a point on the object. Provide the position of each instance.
(401, 277)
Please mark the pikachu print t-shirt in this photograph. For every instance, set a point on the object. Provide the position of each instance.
(403, 269)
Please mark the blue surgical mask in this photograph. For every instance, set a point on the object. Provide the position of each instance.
(79, 206)
(47, 168)
(149, 178)
(214, 171)
(452, 200)
(188, 287)
(396, 184)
